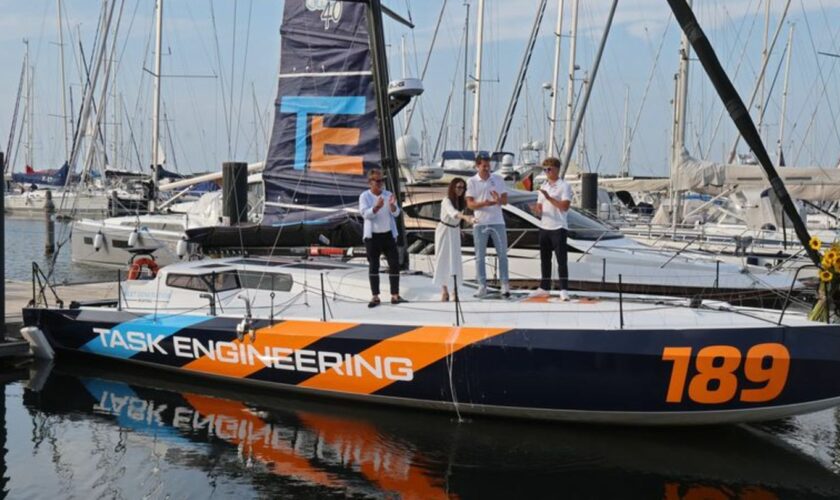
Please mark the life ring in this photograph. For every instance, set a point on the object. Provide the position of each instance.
(136, 268)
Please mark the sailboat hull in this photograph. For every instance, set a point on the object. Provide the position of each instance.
(644, 377)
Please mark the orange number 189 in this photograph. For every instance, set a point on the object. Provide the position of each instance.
(716, 381)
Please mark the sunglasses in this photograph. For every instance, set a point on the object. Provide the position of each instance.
(460, 187)
(377, 181)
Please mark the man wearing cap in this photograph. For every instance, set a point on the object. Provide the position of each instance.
(553, 202)
(486, 193)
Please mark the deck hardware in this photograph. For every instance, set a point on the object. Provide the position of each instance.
(620, 303)
(212, 299)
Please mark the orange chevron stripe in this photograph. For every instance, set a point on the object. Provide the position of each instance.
(290, 334)
(423, 346)
(236, 423)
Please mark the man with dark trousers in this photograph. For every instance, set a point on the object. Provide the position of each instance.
(553, 202)
(379, 209)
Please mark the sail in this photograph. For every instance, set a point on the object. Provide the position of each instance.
(804, 183)
(53, 177)
(325, 136)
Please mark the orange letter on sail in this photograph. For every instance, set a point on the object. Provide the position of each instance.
(335, 164)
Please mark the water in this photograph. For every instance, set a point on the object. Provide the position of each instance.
(25, 239)
(85, 432)
(89, 431)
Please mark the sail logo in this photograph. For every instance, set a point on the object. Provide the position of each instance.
(310, 131)
(330, 10)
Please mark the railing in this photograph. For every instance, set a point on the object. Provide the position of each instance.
(40, 283)
(790, 291)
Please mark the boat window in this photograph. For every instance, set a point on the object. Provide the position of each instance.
(429, 211)
(278, 282)
(119, 243)
(88, 240)
(201, 282)
(582, 226)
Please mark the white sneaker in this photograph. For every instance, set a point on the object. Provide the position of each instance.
(505, 290)
(564, 296)
(481, 293)
(539, 292)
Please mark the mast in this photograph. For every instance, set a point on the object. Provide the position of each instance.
(28, 110)
(625, 157)
(520, 79)
(680, 111)
(555, 80)
(156, 104)
(741, 117)
(466, 77)
(734, 150)
(387, 140)
(474, 144)
(780, 143)
(764, 56)
(589, 84)
(570, 85)
(64, 113)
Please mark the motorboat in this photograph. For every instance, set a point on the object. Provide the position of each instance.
(600, 257)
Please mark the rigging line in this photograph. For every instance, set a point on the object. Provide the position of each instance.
(242, 77)
(221, 74)
(833, 66)
(737, 71)
(635, 126)
(65, 232)
(426, 63)
(232, 149)
(822, 79)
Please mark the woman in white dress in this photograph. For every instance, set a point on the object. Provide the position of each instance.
(448, 237)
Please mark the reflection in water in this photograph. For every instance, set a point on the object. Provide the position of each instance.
(130, 434)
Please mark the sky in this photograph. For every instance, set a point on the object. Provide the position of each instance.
(220, 62)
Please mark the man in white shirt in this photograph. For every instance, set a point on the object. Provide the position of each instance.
(553, 202)
(380, 235)
(486, 193)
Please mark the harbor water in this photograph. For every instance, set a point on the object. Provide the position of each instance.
(78, 429)
(99, 431)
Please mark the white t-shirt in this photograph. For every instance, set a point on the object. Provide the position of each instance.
(480, 190)
(552, 217)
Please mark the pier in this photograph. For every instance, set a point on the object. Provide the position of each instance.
(19, 294)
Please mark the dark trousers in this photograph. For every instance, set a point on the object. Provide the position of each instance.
(377, 245)
(554, 242)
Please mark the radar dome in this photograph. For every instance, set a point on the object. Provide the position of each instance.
(408, 151)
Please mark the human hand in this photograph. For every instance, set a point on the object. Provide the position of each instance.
(497, 200)
(379, 202)
(392, 201)
(544, 193)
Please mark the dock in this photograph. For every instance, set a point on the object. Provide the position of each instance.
(19, 294)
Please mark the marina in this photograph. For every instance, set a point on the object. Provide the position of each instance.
(199, 309)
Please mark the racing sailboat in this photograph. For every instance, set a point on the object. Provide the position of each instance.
(301, 324)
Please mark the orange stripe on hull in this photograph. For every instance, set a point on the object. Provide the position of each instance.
(423, 346)
(288, 334)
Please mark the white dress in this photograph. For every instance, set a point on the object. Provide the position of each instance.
(448, 246)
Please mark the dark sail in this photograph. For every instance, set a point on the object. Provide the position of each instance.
(325, 137)
(55, 177)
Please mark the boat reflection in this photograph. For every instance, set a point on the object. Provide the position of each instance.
(282, 444)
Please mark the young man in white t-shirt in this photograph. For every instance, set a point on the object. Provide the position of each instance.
(486, 193)
(553, 202)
